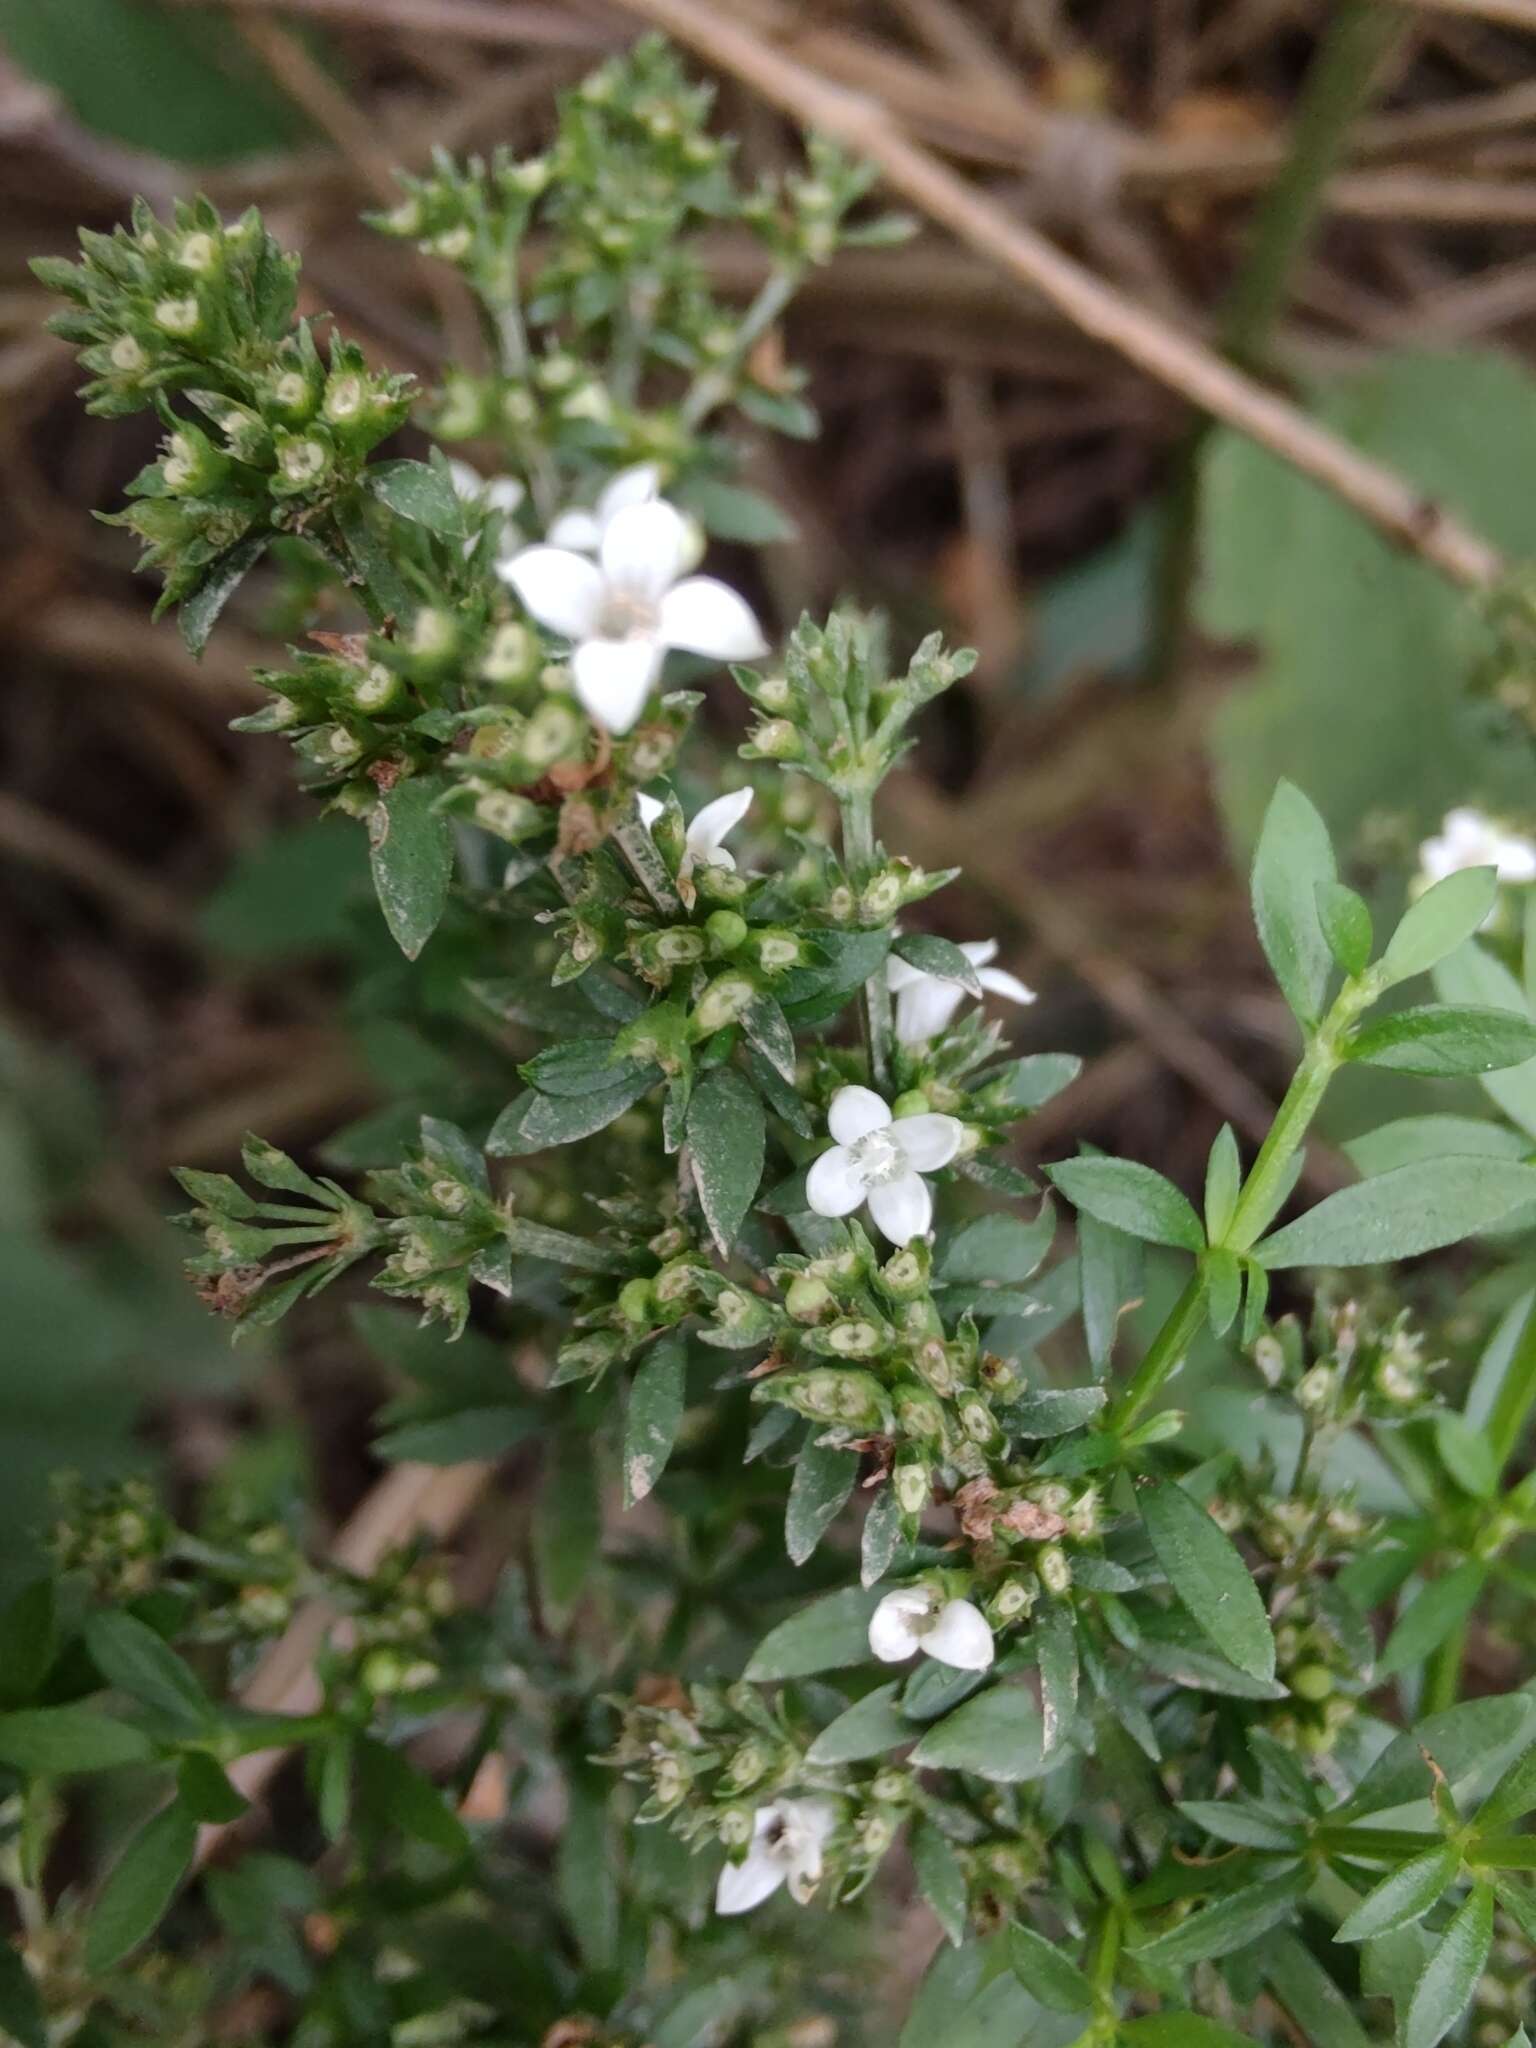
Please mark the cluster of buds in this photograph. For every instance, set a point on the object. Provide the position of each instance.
(117, 1536)
(660, 1276)
(449, 1230)
(397, 1636)
(1361, 1364)
(278, 430)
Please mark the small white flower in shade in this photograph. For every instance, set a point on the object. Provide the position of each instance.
(706, 828)
(914, 1618)
(1469, 839)
(787, 1839)
(624, 611)
(881, 1162)
(925, 1004)
(496, 493)
(584, 530)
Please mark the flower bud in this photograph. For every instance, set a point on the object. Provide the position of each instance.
(724, 1002)
(726, 931)
(303, 463)
(375, 689)
(513, 656)
(853, 1337)
(776, 950)
(775, 740)
(920, 1414)
(716, 884)
(807, 1298)
(1269, 1359)
(179, 317)
(1054, 1567)
(1014, 1598)
(555, 730)
(637, 1303)
(1316, 1388)
(911, 1483)
(509, 816)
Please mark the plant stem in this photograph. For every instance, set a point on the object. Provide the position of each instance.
(714, 386)
(1517, 1392)
(1335, 89)
(1255, 1205)
(859, 848)
(1442, 1677)
(1180, 1328)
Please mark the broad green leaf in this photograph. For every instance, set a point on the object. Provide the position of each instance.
(1405, 1896)
(1512, 1798)
(1046, 1973)
(1223, 1178)
(582, 1066)
(1450, 1976)
(1460, 1740)
(652, 1416)
(21, 2006)
(1437, 1608)
(133, 1658)
(1400, 1213)
(28, 1641)
(940, 1878)
(1346, 923)
(1473, 975)
(587, 1867)
(1179, 2030)
(997, 1735)
(1055, 1639)
(1443, 918)
(1111, 1265)
(1293, 861)
(1230, 1923)
(726, 1141)
(1132, 1198)
(139, 1887)
(1055, 1410)
(828, 1635)
(939, 957)
(1444, 1040)
(418, 492)
(1309, 1994)
(394, 1794)
(411, 846)
(1209, 1577)
(1174, 1644)
(996, 1250)
(1411, 1139)
(55, 1742)
(870, 1727)
(823, 1480)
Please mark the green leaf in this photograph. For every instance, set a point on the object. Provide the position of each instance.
(996, 1250)
(1036, 1078)
(200, 612)
(1467, 1455)
(1223, 1179)
(411, 847)
(419, 493)
(1179, 2030)
(21, 2005)
(1405, 1896)
(55, 1742)
(1293, 861)
(28, 1641)
(1400, 1213)
(1055, 1410)
(827, 1635)
(567, 1528)
(582, 1066)
(141, 1885)
(1309, 1994)
(1046, 1973)
(730, 512)
(1223, 1288)
(940, 1879)
(1473, 975)
(1246, 1827)
(1132, 1198)
(537, 1123)
(652, 1417)
(1410, 1139)
(939, 957)
(205, 1790)
(587, 1867)
(1111, 1264)
(1055, 1638)
(1438, 1040)
(1450, 1976)
(823, 1480)
(1442, 919)
(1437, 1608)
(870, 1727)
(133, 1658)
(1230, 1924)
(997, 1735)
(881, 1536)
(726, 1141)
(1209, 1577)
(395, 1795)
(1460, 1740)
(1346, 923)
(1512, 1797)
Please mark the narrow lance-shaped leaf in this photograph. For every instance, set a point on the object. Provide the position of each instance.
(1443, 918)
(1210, 1578)
(1398, 1214)
(412, 853)
(1445, 1990)
(823, 1480)
(1132, 1198)
(1405, 1896)
(652, 1417)
(1046, 1974)
(1294, 859)
(726, 1139)
(1441, 1040)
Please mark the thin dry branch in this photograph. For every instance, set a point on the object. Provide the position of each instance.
(1383, 497)
(1511, 13)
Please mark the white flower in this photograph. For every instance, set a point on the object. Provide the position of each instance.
(583, 530)
(880, 1162)
(626, 609)
(706, 829)
(1469, 839)
(497, 493)
(925, 1004)
(914, 1618)
(786, 1847)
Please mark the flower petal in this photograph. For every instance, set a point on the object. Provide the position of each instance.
(834, 1186)
(902, 1209)
(892, 1636)
(642, 548)
(504, 494)
(814, 1819)
(854, 1112)
(705, 616)
(613, 678)
(997, 981)
(649, 807)
(745, 1885)
(564, 591)
(467, 481)
(980, 951)
(924, 1009)
(576, 529)
(900, 974)
(632, 486)
(929, 1141)
(710, 825)
(961, 1637)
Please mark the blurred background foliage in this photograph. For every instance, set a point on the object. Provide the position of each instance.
(186, 952)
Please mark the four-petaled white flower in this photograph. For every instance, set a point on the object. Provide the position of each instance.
(915, 1618)
(1468, 838)
(787, 1838)
(925, 1004)
(706, 828)
(626, 609)
(583, 530)
(882, 1162)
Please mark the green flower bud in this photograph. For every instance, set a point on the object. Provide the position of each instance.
(807, 1298)
(776, 950)
(375, 689)
(509, 816)
(716, 884)
(555, 730)
(514, 656)
(904, 1276)
(1312, 1682)
(434, 636)
(726, 930)
(854, 1337)
(637, 1303)
(920, 1413)
(303, 463)
(1014, 1598)
(775, 740)
(179, 317)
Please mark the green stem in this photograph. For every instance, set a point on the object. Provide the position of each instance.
(1517, 1393)
(1337, 83)
(1442, 1679)
(1165, 1356)
(1293, 1119)
(859, 849)
(714, 386)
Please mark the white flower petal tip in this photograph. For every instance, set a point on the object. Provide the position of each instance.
(576, 529)
(613, 678)
(901, 1209)
(834, 1186)
(926, 1005)
(642, 550)
(854, 1112)
(708, 827)
(787, 1840)
(562, 590)
(894, 1634)
(882, 1163)
(705, 616)
(1469, 839)
(649, 807)
(960, 1637)
(745, 1885)
(929, 1141)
